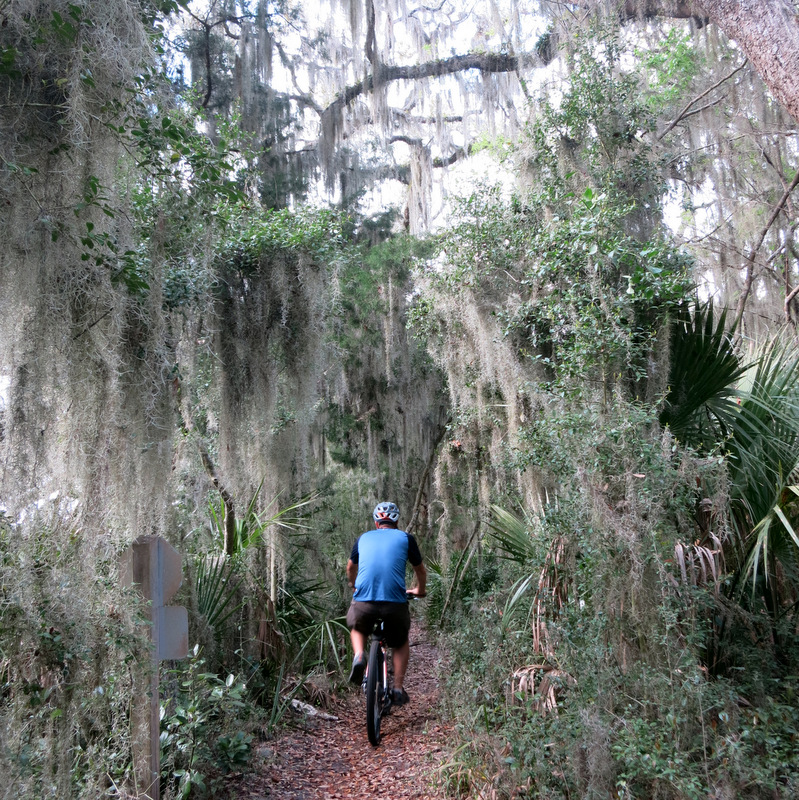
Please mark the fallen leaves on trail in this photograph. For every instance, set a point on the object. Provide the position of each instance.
(333, 760)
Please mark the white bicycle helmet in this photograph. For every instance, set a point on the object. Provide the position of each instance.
(385, 512)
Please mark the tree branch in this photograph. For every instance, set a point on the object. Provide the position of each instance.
(418, 501)
(651, 9)
(750, 267)
(685, 112)
(788, 299)
(439, 161)
(630, 10)
(484, 62)
(370, 46)
(209, 85)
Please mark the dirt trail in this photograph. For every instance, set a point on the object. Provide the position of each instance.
(333, 760)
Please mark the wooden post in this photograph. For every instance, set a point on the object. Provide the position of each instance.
(154, 566)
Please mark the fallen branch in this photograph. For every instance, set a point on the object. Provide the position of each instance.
(311, 711)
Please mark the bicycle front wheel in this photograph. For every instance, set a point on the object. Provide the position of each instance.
(375, 693)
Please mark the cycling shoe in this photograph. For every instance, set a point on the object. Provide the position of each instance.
(358, 668)
(399, 697)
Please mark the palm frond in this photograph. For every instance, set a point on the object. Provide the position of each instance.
(323, 635)
(763, 446)
(287, 518)
(512, 535)
(703, 369)
(217, 588)
(771, 534)
(512, 605)
(700, 564)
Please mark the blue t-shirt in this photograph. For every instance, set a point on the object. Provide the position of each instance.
(381, 555)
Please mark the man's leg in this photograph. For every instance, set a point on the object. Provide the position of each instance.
(358, 640)
(401, 656)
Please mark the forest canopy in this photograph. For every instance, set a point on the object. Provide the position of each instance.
(528, 270)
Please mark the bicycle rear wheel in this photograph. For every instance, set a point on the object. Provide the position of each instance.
(375, 693)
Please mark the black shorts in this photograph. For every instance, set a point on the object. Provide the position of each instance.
(396, 618)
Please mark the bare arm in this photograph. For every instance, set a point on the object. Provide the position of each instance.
(420, 590)
(352, 572)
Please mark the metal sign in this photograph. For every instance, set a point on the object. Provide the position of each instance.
(154, 567)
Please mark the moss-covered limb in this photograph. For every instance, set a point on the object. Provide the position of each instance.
(482, 62)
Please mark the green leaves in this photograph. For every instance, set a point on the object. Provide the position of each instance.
(750, 413)
(67, 28)
(249, 529)
(219, 590)
(704, 366)
(202, 726)
(671, 63)
(512, 535)
(8, 61)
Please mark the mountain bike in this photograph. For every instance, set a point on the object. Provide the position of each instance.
(377, 683)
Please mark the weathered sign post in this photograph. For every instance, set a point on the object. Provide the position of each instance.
(154, 567)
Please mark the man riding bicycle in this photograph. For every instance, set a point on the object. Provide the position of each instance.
(376, 570)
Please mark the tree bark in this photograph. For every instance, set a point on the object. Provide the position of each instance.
(767, 31)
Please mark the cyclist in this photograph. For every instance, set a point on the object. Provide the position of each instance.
(376, 571)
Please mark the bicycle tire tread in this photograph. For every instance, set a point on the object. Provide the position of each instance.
(374, 693)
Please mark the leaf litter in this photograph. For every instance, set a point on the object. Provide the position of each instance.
(320, 759)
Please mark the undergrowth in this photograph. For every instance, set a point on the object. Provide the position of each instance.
(70, 639)
(615, 700)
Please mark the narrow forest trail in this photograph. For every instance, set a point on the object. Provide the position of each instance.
(332, 760)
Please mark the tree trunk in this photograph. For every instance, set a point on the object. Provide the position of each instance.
(767, 31)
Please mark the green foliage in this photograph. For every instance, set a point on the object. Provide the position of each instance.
(602, 106)
(703, 369)
(8, 57)
(748, 413)
(258, 237)
(250, 527)
(185, 192)
(367, 326)
(364, 300)
(632, 712)
(513, 535)
(671, 65)
(578, 271)
(597, 295)
(763, 453)
(204, 728)
(598, 132)
(70, 640)
(218, 590)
